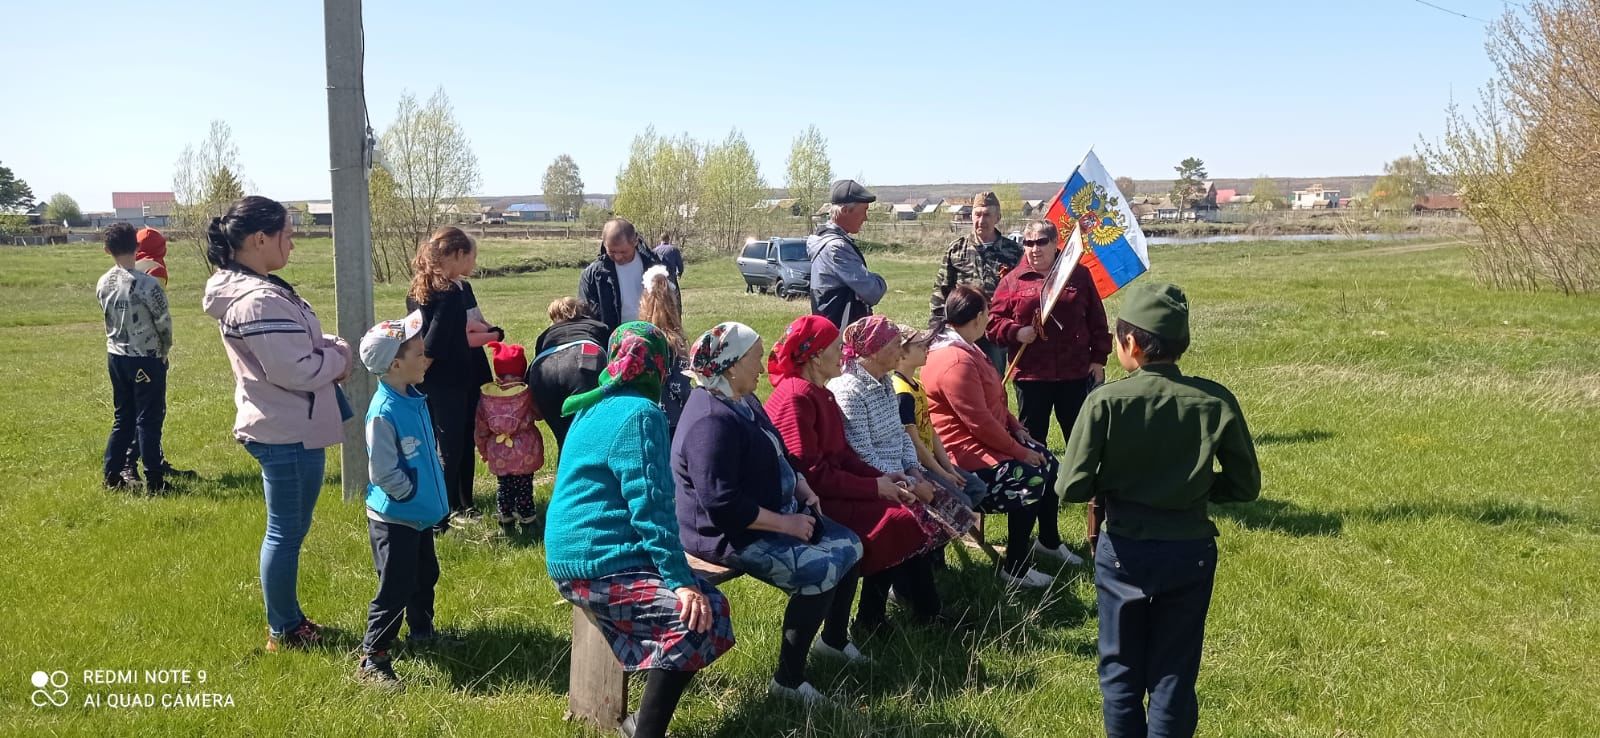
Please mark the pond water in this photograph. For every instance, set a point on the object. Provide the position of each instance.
(1237, 238)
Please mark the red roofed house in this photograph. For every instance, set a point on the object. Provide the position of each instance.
(143, 208)
(1437, 204)
(1226, 196)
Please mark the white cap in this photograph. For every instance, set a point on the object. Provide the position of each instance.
(382, 342)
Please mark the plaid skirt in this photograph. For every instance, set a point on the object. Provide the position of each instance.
(638, 614)
(1013, 485)
(798, 567)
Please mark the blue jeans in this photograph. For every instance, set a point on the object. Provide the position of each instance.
(292, 477)
(1153, 598)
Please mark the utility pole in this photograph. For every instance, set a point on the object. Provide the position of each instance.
(349, 157)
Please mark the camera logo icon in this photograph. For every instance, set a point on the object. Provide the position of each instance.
(48, 689)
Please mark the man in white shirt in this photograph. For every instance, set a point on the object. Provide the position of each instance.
(613, 282)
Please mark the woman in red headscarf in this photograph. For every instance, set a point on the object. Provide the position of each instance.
(865, 500)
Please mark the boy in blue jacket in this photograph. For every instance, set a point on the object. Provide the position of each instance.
(405, 498)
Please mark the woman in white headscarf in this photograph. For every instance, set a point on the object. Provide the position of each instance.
(741, 504)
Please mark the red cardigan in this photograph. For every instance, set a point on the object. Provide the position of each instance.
(967, 404)
(812, 427)
(1074, 337)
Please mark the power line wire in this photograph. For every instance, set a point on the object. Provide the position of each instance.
(1451, 12)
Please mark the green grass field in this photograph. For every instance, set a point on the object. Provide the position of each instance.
(1422, 561)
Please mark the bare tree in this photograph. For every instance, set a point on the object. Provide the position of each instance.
(1526, 162)
(205, 182)
(430, 160)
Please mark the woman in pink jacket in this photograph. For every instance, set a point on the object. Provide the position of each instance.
(286, 371)
(967, 404)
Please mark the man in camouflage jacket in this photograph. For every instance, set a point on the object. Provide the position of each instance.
(978, 259)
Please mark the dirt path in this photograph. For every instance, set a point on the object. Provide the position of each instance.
(1409, 248)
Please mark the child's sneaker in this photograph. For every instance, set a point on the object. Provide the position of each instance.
(302, 636)
(377, 670)
(506, 519)
(463, 519)
(528, 519)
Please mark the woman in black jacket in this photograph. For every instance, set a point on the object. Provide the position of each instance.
(568, 359)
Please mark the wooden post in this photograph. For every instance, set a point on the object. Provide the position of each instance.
(352, 238)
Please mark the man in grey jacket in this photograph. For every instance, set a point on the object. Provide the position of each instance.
(842, 289)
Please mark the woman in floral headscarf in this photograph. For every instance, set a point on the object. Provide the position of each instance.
(864, 499)
(741, 504)
(871, 348)
(611, 543)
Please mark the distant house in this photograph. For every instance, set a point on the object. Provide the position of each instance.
(1438, 204)
(1033, 208)
(931, 205)
(776, 206)
(960, 212)
(321, 213)
(906, 210)
(143, 208)
(600, 201)
(1314, 198)
(527, 212)
(101, 219)
(1226, 197)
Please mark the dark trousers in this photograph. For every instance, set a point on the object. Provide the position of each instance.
(454, 411)
(1037, 401)
(559, 376)
(139, 396)
(407, 573)
(1153, 598)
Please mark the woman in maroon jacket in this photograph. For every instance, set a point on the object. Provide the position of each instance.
(863, 499)
(1067, 349)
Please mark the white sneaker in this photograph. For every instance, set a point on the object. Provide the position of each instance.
(1034, 579)
(804, 694)
(1059, 552)
(849, 653)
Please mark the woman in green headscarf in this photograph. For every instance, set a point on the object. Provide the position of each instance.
(611, 543)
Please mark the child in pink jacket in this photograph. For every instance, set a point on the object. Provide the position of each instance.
(506, 436)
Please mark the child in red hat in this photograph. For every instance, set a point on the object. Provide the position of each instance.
(506, 436)
(151, 255)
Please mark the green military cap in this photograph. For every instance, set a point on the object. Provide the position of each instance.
(1159, 308)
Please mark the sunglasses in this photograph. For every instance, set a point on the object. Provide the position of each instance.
(1037, 241)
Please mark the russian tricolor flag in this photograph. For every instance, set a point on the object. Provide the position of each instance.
(1113, 244)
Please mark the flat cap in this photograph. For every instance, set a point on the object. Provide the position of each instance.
(847, 191)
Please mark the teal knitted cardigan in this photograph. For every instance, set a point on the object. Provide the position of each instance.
(613, 507)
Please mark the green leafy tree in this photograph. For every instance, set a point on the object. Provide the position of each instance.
(1404, 180)
(63, 209)
(563, 188)
(1190, 184)
(658, 188)
(15, 194)
(391, 244)
(810, 173)
(1265, 194)
(593, 217)
(1010, 194)
(223, 186)
(730, 186)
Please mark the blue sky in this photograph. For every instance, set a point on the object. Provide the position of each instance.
(904, 92)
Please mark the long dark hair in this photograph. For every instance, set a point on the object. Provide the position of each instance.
(427, 271)
(247, 216)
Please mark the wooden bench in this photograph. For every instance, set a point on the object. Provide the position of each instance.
(597, 687)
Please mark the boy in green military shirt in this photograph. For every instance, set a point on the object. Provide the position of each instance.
(1148, 446)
